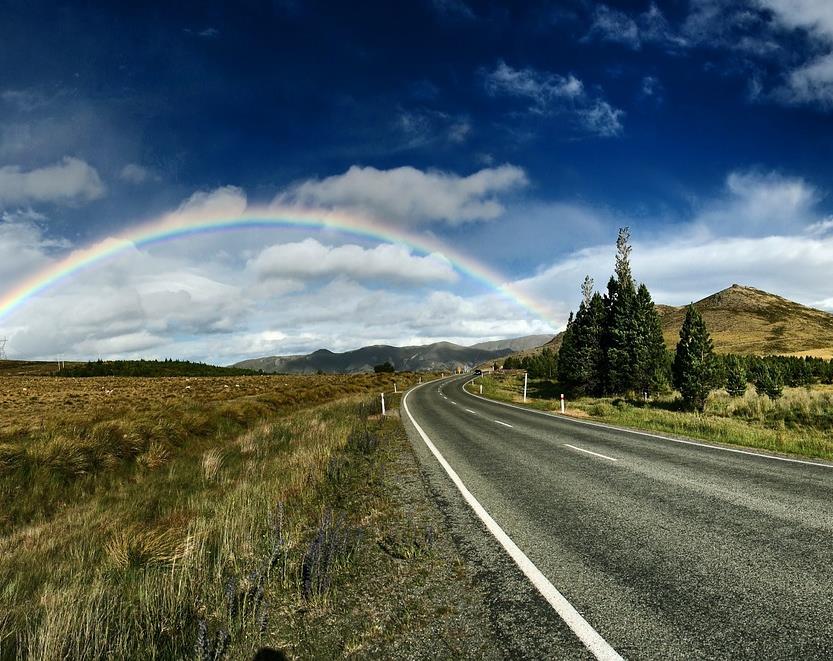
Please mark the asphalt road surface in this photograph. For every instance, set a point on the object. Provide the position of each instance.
(668, 550)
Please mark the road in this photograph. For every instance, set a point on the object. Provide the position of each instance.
(668, 550)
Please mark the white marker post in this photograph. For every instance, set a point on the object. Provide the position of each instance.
(394, 386)
(481, 388)
(562, 402)
(383, 403)
(525, 375)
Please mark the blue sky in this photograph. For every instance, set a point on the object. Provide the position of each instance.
(520, 134)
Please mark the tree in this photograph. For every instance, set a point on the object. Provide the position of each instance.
(387, 366)
(769, 381)
(650, 356)
(735, 376)
(694, 362)
(620, 339)
(580, 359)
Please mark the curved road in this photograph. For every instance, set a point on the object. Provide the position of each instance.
(669, 550)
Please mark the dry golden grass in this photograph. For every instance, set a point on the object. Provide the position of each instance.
(125, 502)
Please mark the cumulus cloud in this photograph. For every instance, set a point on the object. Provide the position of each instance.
(554, 94)
(310, 259)
(228, 201)
(409, 196)
(71, 180)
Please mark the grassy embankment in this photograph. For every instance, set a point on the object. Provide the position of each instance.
(798, 423)
(205, 518)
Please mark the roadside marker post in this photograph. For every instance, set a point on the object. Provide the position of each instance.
(525, 376)
(481, 388)
(562, 402)
(394, 387)
(383, 403)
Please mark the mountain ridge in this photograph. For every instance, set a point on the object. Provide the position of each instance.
(438, 356)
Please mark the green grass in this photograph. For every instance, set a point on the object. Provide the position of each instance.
(800, 423)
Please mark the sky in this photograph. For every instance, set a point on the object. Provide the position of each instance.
(515, 137)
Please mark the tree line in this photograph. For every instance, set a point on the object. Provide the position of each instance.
(151, 368)
(613, 345)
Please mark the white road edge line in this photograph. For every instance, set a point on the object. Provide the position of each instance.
(591, 638)
(505, 424)
(644, 433)
(596, 454)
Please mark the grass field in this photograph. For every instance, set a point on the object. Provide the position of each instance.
(205, 518)
(799, 423)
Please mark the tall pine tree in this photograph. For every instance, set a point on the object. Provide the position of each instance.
(650, 356)
(621, 323)
(694, 363)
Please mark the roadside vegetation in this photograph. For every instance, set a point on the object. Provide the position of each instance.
(207, 518)
(800, 422)
(612, 365)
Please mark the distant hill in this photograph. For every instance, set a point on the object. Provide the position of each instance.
(514, 344)
(437, 357)
(746, 320)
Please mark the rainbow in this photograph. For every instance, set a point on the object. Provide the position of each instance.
(182, 224)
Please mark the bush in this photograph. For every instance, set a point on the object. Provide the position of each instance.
(387, 366)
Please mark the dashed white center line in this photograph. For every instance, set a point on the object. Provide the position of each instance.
(595, 454)
(505, 424)
(470, 411)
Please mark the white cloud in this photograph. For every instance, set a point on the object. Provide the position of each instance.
(757, 203)
(226, 201)
(69, 181)
(553, 94)
(133, 173)
(681, 270)
(409, 196)
(310, 259)
(423, 127)
(650, 26)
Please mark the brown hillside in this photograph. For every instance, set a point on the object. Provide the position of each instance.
(750, 321)
(746, 320)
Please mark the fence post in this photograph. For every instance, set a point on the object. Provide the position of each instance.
(562, 402)
(383, 403)
(525, 375)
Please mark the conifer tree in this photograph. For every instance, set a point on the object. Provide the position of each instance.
(650, 356)
(694, 362)
(621, 332)
(769, 381)
(735, 377)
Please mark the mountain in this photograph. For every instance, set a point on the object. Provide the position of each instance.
(514, 344)
(751, 321)
(440, 356)
(746, 320)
